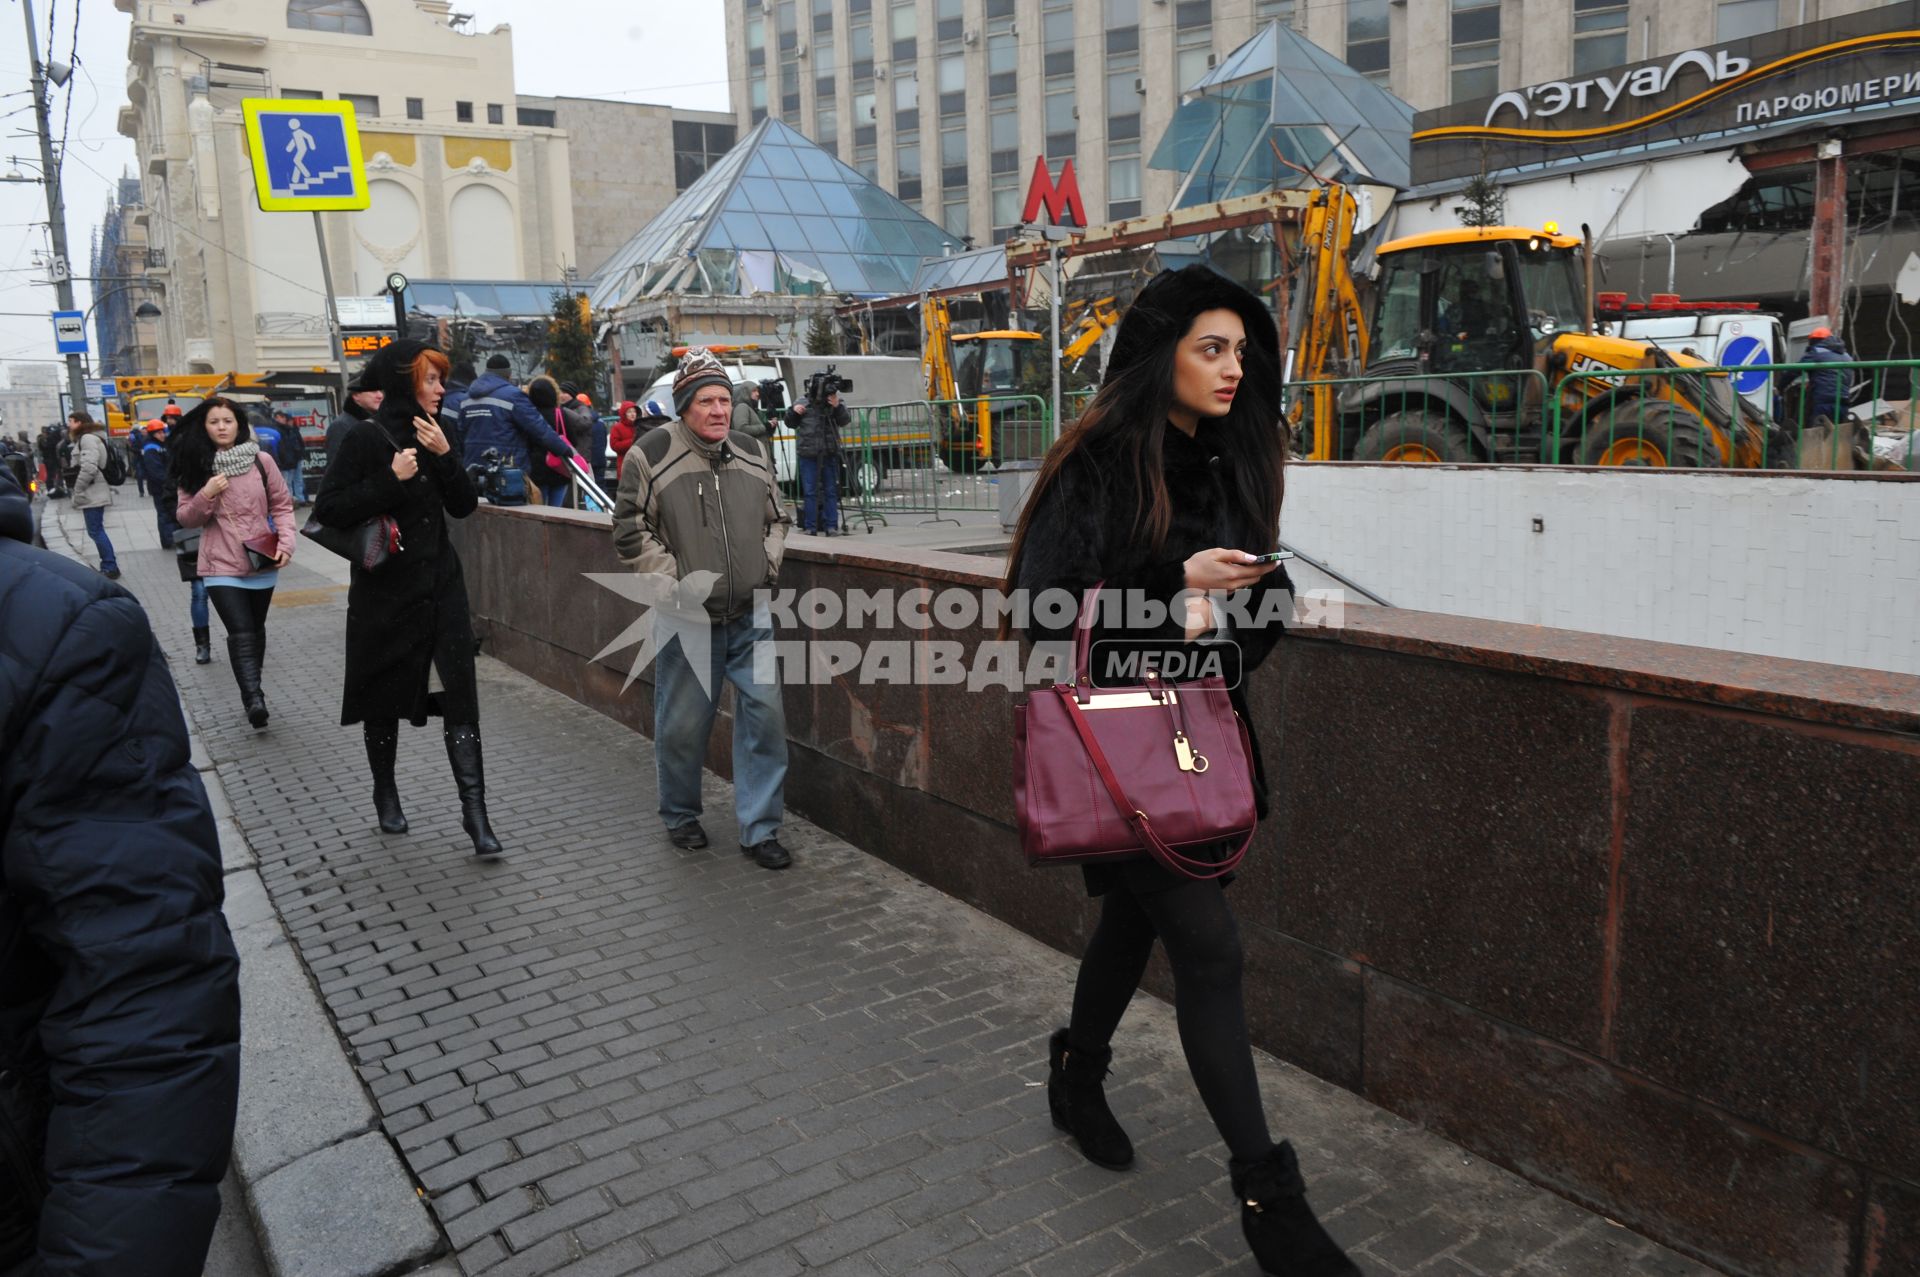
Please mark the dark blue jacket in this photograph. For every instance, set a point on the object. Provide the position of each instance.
(1826, 391)
(498, 414)
(153, 463)
(119, 993)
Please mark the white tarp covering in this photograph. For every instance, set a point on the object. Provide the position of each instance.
(1653, 198)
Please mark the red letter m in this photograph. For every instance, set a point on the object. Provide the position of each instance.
(1064, 198)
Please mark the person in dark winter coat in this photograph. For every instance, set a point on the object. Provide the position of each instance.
(363, 400)
(119, 986)
(1827, 388)
(151, 464)
(816, 426)
(167, 494)
(1169, 484)
(408, 617)
(498, 416)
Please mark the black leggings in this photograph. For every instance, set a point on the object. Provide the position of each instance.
(1195, 923)
(242, 611)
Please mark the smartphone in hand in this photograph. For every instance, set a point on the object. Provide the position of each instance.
(1278, 556)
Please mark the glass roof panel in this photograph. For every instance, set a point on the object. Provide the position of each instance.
(745, 230)
(764, 193)
(794, 218)
(821, 234)
(838, 199)
(803, 197)
(788, 235)
(782, 161)
(475, 300)
(1282, 87)
(846, 272)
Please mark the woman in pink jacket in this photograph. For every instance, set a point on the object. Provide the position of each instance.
(228, 488)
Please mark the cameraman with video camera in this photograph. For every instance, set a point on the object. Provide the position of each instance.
(816, 422)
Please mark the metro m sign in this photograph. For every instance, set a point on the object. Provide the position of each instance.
(1061, 199)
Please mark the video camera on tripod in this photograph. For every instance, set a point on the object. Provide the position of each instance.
(826, 382)
(497, 481)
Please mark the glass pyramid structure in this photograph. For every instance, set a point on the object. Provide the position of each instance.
(776, 214)
(1277, 102)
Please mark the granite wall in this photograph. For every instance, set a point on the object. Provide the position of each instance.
(1635, 920)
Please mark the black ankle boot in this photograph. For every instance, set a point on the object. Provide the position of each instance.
(1079, 1102)
(1281, 1229)
(383, 742)
(463, 752)
(202, 646)
(245, 651)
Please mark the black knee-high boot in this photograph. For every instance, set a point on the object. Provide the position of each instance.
(383, 742)
(245, 650)
(463, 753)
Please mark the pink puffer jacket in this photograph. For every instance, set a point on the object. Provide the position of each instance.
(236, 514)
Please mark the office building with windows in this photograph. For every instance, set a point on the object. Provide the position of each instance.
(947, 102)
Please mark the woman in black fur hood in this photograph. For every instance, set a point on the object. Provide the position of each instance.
(407, 619)
(1170, 481)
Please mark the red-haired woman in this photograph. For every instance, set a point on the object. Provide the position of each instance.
(407, 619)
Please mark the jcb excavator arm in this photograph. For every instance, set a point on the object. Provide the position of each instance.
(1332, 340)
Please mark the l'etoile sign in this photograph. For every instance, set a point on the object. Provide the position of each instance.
(1606, 92)
(1854, 63)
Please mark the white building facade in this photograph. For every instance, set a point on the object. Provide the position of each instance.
(460, 187)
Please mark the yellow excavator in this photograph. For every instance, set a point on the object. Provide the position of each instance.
(1453, 310)
(965, 373)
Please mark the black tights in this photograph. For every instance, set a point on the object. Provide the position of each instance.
(1203, 948)
(242, 611)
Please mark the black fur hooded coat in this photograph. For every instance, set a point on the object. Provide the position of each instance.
(1083, 528)
(412, 609)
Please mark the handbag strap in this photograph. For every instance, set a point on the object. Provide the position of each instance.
(265, 491)
(1142, 825)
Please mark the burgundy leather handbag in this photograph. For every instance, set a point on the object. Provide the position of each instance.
(1181, 748)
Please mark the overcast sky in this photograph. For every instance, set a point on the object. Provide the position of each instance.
(669, 51)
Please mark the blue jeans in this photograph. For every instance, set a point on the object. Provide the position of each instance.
(820, 494)
(296, 483)
(198, 607)
(163, 515)
(683, 716)
(97, 529)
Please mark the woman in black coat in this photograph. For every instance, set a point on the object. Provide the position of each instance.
(408, 617)
(1171, 482)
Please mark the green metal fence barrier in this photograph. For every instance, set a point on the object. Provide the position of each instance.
(1458, 416)
(939, 456)
(1640, 416)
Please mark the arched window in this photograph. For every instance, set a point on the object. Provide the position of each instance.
(348, 17)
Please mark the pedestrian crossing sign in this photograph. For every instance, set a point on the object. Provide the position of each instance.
(306, 155)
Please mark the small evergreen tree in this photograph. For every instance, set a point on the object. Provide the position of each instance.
(1486, 203)
(571, 354)
(822, 339)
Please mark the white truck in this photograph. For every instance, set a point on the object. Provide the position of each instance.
(1732, 334)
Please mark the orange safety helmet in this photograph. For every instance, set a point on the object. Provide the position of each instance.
(1820, 334)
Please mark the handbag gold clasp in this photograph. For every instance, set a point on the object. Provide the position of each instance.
(1183, 750)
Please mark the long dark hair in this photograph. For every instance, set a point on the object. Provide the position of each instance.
(1127, 420)
(190, 448)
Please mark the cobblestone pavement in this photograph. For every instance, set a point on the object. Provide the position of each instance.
(600, 1055)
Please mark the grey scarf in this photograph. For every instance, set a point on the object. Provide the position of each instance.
(237, 460)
